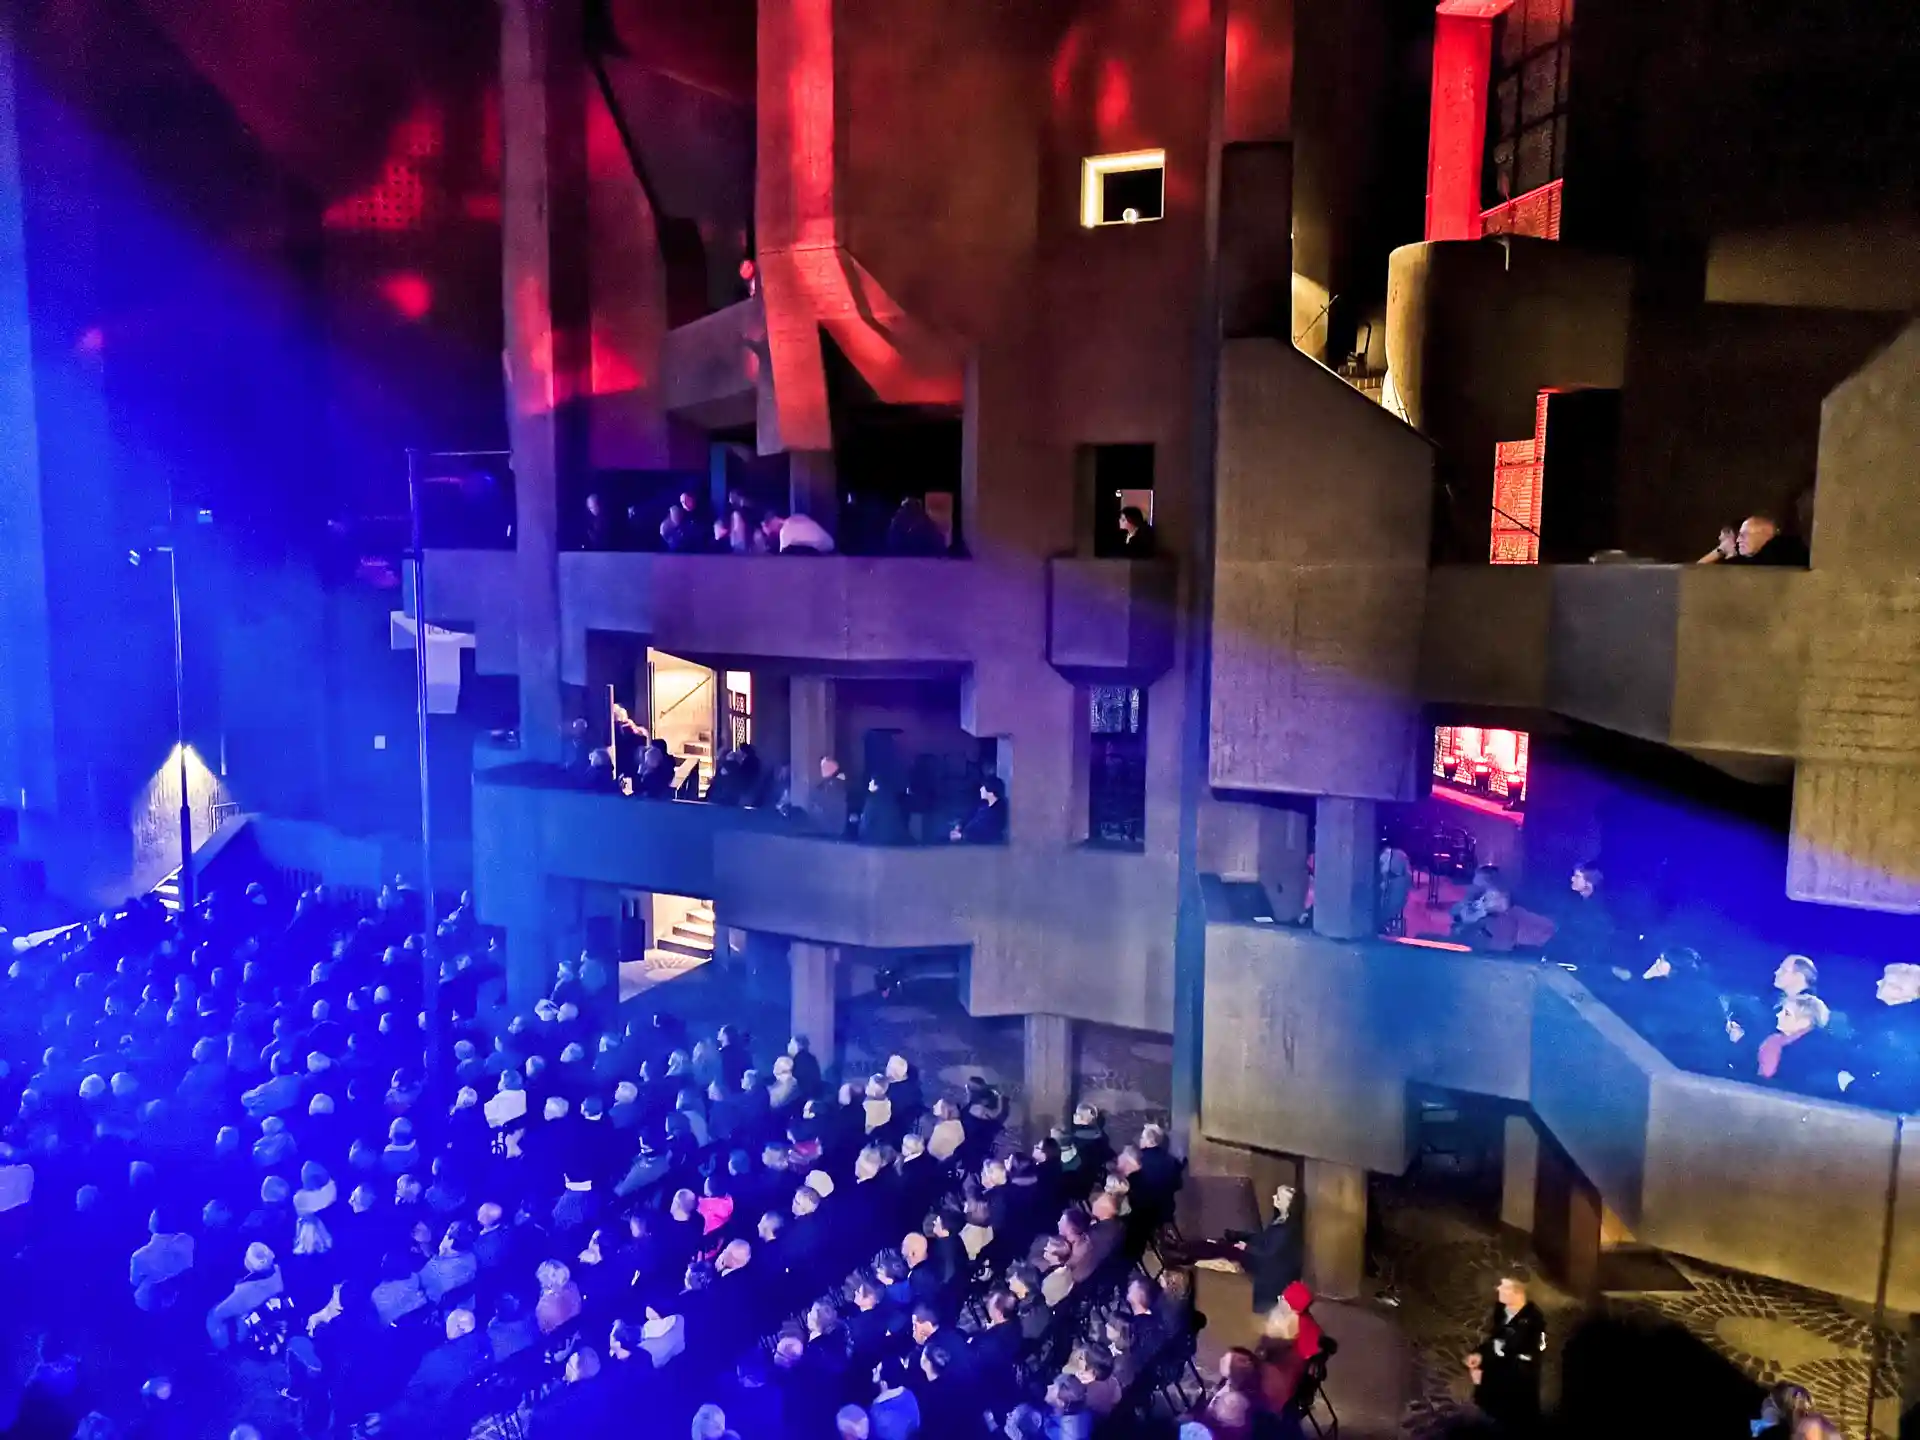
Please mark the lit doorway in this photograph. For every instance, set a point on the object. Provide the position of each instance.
(683, 711)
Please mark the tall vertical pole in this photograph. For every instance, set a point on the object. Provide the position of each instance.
(430, 941)
(187, 889)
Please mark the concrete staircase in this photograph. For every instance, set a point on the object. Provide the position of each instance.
(691, 939)
(701, 752)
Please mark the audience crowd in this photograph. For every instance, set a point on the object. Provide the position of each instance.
(692, 527)
(235, 1178)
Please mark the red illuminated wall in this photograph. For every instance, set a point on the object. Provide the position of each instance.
(1519, 467)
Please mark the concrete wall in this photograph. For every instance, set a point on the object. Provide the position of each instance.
(1720, 418)
(1475, 330)
(1855, 840)
(1110, 616)
(1701, 658)
(1311, 1045)
(710, 370)
(1487, 632)
(1319, 585)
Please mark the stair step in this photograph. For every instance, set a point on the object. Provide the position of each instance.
(690, 952)
(695, 925)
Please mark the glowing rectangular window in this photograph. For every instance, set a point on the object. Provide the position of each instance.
(1123, 189)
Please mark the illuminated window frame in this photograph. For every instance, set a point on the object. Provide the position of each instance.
(1096, 168)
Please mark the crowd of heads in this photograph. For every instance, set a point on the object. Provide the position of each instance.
(241, 1173)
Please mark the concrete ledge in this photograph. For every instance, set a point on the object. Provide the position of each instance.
(1311, 1045)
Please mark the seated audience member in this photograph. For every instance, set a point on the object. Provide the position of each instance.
(1798, 1055)
(1750, 1017)
(797, 535)
(1482, 917)
(912, 531)
(1885, 1061)
(988, 823)
(1136, 534)
(1758, 541)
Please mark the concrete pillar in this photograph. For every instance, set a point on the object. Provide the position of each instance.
(1336, 1228)
(1519, 1173)
(811, 721)
(1346, 849)
(1457, 131)
(1048, 1071)
(813, 488)
(543, 232)
(814, 979)
(530, 964)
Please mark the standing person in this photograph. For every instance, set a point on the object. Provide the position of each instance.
(1136, 534)
(830, 802)
(1506, 1367)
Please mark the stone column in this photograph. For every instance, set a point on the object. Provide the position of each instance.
(1519, 1173)
(813, 489)
(1049, 1071)
(1345, 865)
(814, 979)
(543, 234)
(1336, 1226)
(811, 721)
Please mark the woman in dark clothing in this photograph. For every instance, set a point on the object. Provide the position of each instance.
(882, 820)
(988, 824)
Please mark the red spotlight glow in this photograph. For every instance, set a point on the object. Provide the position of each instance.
(410, 295)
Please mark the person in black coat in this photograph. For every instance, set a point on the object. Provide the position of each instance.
(1506, 1366)
(1276, 1256)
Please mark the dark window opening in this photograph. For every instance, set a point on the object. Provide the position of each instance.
(1117, 778)
(1128, 197)
(887, 457)
(1527, 118)
(1119, 478)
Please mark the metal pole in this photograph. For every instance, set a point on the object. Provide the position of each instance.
(187, 895)
(430, 943)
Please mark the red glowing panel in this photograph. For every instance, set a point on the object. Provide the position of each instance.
(1519, 470)
(1489, 765)
(410, 295)
(397, 201)
(1535, 214)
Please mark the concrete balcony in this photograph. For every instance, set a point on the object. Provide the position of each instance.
(819, 608)
(1312, 1044)
(530, 823)
(1110, 619)
(474, 591)
(710, 369)
(1103, 912)
(1477, 328)
(838, 893)
(1708, 659)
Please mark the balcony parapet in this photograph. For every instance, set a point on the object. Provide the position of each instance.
(1312, 1043)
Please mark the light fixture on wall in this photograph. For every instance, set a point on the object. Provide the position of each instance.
(1123, 189)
